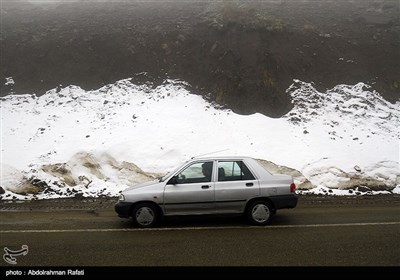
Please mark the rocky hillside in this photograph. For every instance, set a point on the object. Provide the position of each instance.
(242, 54)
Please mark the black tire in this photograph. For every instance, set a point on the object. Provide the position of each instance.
(259, 212)
(145, 215)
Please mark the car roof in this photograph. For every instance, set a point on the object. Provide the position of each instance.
(221, 158)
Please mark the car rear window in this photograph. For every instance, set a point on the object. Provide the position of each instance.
(233, 171)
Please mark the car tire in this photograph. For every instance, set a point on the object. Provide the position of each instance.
(259, 212)
(145, 215)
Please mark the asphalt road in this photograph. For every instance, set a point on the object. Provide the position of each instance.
(313, 234)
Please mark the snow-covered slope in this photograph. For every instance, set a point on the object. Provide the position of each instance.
(355, 131)
(70, 141)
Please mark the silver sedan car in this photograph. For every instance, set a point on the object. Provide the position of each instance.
(218, 185)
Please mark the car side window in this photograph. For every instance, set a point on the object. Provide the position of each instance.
(196, 173)
(233, 171)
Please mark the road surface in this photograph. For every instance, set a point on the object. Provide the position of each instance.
(318, 232)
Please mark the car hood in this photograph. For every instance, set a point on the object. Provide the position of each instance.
(144, 184)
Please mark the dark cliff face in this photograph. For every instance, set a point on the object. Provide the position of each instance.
(241, 54)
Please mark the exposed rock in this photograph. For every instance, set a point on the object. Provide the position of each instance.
(60, 170)
(244, 53)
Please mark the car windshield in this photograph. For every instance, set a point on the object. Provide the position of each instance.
(166, 176)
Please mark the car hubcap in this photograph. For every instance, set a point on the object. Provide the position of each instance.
(145, 216)
(260, 213)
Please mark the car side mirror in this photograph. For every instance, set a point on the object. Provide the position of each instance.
(173, 180)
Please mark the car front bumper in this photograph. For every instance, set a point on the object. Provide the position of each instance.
(123, 209)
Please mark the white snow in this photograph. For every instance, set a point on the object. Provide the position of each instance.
(99, 142)
(9, 81)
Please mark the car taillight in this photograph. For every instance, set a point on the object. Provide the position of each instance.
(292, 187)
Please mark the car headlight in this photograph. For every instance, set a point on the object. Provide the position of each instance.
(121, 197)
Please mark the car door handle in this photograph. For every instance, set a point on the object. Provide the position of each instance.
(205, 187)
(249, 184)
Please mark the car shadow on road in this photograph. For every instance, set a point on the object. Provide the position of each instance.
(206, 221)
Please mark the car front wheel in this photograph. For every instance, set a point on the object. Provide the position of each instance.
(259, 213)
(145, 215)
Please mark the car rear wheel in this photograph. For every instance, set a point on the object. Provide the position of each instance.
(145, 215)
(259, 212)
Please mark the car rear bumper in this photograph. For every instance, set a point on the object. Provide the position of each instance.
(284, 201)
(123, 209)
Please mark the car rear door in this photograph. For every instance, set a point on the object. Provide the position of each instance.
(234, 186)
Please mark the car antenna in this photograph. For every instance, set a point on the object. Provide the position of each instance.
(209, 153)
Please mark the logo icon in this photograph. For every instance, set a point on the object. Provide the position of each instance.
(10, 255)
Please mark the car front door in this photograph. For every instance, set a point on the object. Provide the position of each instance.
(191, 191)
